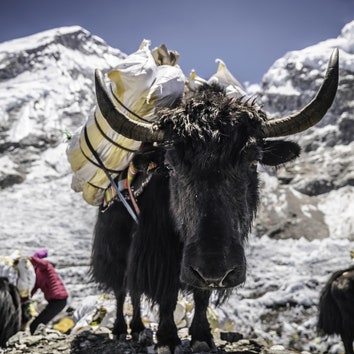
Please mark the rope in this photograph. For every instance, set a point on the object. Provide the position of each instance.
(113, 183)
(130, 178)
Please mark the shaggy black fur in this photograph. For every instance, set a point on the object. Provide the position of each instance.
(195, 219)
(336, 307)
(10, 311)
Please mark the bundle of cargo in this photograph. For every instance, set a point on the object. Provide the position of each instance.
(140, 83)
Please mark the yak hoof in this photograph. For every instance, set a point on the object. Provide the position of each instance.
(198, 347)
(122, 337)
(167, 350)
(146, 337)
(164, 350)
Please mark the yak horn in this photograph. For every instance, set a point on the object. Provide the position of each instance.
(120, 122)
(313, 112)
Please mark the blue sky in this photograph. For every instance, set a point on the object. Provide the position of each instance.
(249, 35)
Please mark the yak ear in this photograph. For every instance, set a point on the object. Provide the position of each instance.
(277, 152)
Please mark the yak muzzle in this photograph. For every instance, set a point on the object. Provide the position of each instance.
(230, 279)
(213, 277)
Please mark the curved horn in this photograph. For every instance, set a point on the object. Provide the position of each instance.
(120, 122)
(314, 111)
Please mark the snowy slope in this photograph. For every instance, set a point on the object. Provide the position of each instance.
(306, 214)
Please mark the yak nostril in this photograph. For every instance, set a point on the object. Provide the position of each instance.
(220, 282)
(231, 276)
(198, 274)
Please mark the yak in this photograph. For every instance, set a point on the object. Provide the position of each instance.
(10, 310)
(336, 307)
(197, 209)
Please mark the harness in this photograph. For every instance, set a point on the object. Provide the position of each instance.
(130, 187)
(123, 189)
(112, 181)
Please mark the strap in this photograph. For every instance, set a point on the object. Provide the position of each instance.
(113, 183)
(130, 177)
(126, 108)
(108, 138)
(95, 163)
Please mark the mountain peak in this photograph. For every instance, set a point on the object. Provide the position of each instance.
(59, 48)
(348, 30)
(347, 36)
(44, 38)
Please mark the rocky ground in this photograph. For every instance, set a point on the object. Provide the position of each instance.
(48, 341)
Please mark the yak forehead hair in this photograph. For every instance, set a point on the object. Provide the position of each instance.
(210, 114)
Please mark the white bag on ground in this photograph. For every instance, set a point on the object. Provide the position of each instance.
(19, 271)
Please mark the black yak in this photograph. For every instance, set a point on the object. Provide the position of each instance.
(10, 310)
(336, 307)
(197, 209)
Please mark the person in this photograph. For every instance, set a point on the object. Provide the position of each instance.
(52, 286)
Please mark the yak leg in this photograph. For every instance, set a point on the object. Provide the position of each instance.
(167, 338)
(136, 324)
(347, 339)
(202, 339)
(120, 326)
(112, 239)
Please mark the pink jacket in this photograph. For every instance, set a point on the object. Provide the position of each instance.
(48, 280)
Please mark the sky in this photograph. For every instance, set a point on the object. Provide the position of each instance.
(248, 35)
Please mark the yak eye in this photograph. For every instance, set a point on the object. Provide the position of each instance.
(170, 170)
(254, 164)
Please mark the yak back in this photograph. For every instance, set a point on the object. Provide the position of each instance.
(336, 300)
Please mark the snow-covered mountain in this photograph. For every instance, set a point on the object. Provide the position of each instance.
(46, 88)
(314, 196)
